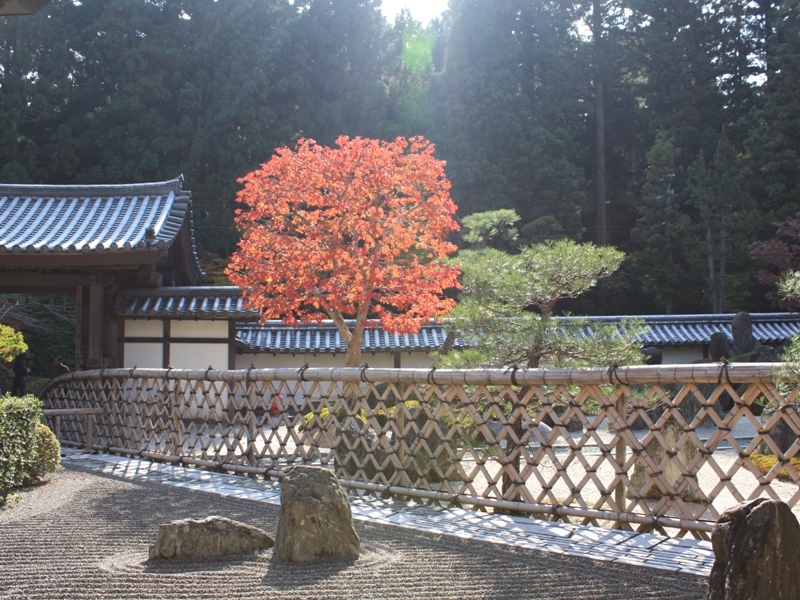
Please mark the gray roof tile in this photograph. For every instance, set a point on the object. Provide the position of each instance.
(693, 330)
(275, 337)
(195, 302)
(93, 218)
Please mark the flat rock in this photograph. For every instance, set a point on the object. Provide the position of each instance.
(212, 536)
(315, 519)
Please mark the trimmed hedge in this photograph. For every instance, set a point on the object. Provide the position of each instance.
(18, 448)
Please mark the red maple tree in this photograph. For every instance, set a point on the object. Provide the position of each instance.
(781, 255)
(358, 231)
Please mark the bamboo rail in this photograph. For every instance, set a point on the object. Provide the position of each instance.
(57, 413)
(493, 439)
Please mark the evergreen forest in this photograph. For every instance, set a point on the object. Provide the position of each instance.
(669, 129)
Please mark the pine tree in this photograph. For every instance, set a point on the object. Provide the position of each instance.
(664, 235)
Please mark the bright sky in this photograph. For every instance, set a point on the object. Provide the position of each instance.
(421, 10)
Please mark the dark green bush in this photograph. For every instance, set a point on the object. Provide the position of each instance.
(6, 380)
(18, 420)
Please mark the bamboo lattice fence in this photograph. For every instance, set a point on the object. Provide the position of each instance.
(650, 448)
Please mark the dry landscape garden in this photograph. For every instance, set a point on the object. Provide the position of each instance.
(530, 269)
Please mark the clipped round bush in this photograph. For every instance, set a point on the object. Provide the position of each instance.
(47, 457)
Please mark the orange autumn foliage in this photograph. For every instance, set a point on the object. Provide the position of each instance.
(358, 231)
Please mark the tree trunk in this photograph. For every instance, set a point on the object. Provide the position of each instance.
(600, 128)
(722, 257)
(711, 283)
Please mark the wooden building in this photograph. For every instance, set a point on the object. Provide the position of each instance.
(91, 242)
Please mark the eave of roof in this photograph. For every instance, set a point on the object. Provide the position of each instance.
(275, 337)
(695, 330)
(191, 302)
(80, 220)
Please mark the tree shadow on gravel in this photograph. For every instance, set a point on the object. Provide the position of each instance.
(286, 576)
(137, 508)
(182, 566)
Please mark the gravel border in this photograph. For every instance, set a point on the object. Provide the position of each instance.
(86, 535)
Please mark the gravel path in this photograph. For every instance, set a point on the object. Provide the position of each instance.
(84, 535)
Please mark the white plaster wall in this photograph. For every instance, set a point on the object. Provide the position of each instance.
(681, 355)
(408, 360)
(196, 329)
(144, 328)
(198, 356)
(143, 355)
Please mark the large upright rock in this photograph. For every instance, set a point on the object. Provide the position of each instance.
(672, 432)
(719, 346)
(782, 434)
(757, 548)
(212, 536)
(742, 331)
(315, 519)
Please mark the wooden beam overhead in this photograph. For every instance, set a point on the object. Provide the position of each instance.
(13, 8)
(133, 259)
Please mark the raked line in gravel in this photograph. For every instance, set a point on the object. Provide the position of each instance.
(596, 543)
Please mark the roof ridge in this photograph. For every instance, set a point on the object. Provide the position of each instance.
(96, 190)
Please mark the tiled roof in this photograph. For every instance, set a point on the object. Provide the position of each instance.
(92, 218)
(693, 330)
(198, 302)
(275, 337)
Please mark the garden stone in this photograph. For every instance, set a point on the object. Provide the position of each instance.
(315, 519)
(672, 432)
(360, 449)
(690, 405)
(544, 431)
(742, 331)
(764, 354)
(654, 356)
(719, 347)
(212, 536)
(781, 433)
(757, 548)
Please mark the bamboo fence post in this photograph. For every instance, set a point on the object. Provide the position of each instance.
(90, 433)
(619, 457)
(177, 442)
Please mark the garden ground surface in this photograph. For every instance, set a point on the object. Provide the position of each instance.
(86, 535)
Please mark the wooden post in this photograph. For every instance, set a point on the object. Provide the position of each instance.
(177, 441)
(79, 358)
(95, 358)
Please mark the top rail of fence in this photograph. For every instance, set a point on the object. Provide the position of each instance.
(662, 374)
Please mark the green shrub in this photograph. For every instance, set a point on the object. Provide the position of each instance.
(766, 462)
(309, 422)
(18, 420)
(48, 452)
